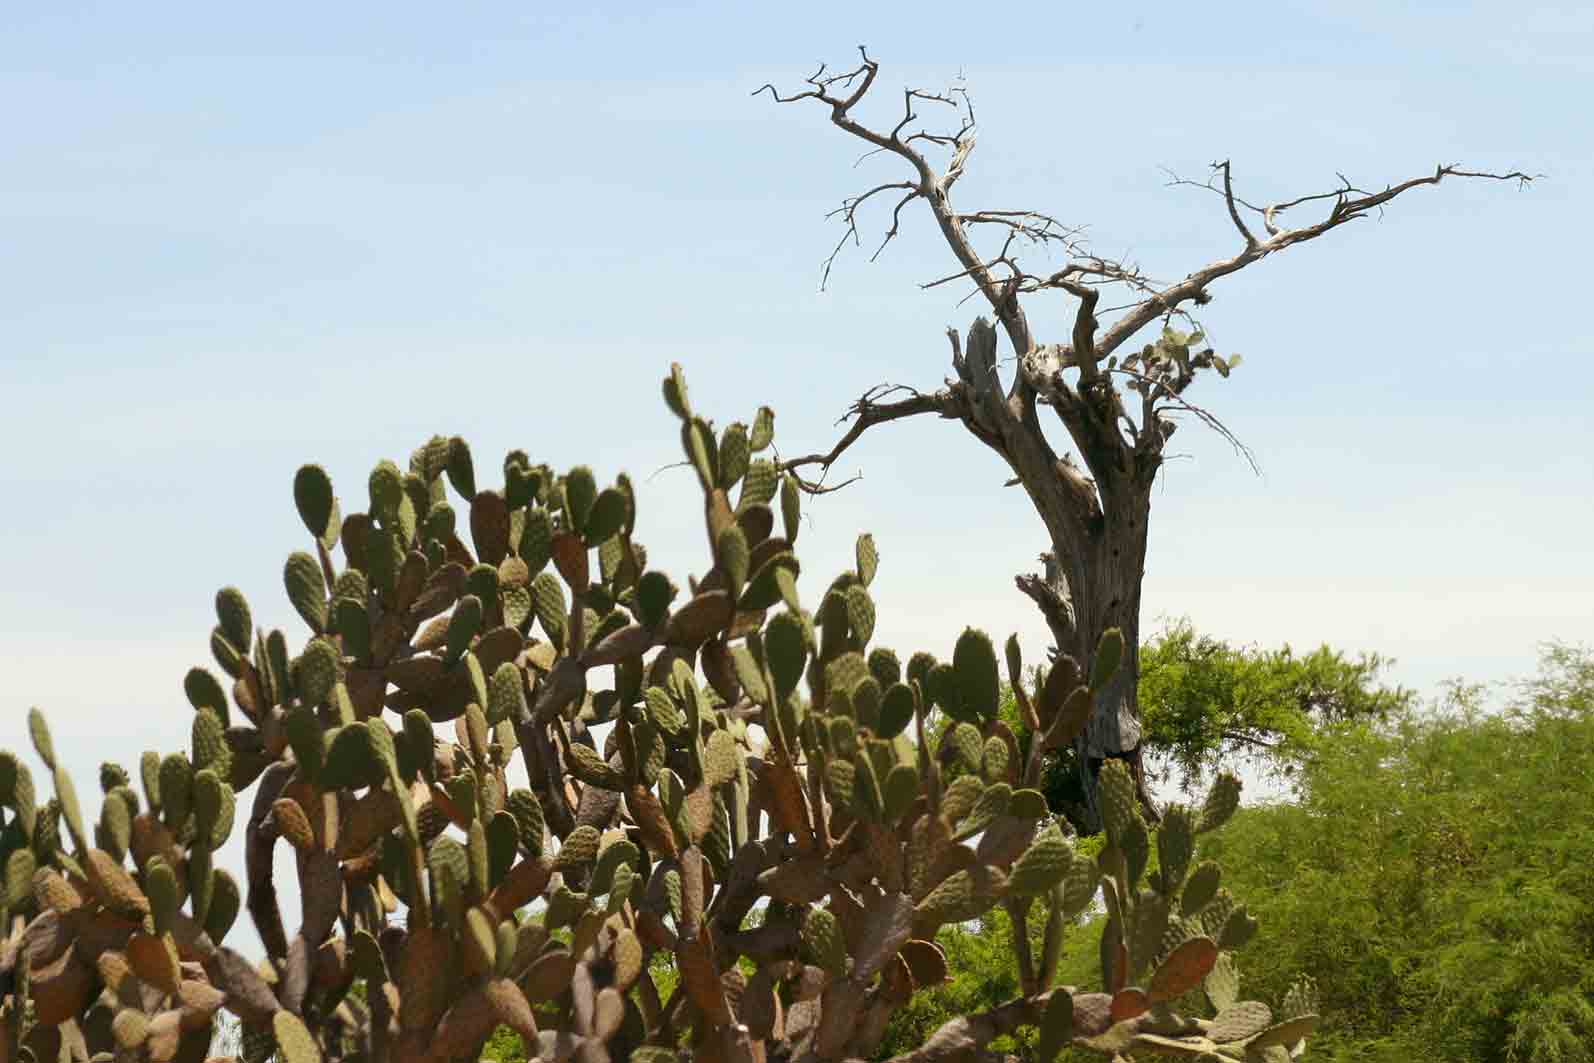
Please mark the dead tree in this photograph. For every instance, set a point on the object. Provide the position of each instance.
(1116, 398)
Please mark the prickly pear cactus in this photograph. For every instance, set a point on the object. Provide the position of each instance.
(719, 775)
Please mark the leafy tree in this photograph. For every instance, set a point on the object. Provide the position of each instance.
(1207, 704)
(1436, 876)
(1115, 396)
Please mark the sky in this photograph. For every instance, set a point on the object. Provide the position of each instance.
(237, 239)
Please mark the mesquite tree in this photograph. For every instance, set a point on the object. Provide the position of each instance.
(1116, 397)
(791, 856)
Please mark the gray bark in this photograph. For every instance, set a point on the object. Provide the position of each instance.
(1098, 538)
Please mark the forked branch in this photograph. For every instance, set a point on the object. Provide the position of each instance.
(864, 414)
(1349, 203)
(841, 93)
(1001, 279)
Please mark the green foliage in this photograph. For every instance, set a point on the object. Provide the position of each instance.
(1434, 877)
(1206, 704)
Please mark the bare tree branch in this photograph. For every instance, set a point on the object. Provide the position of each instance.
(1234, 213)
(864, 414)
(848, 212)
(932, 187)
(1350, 203)
(1156, 388)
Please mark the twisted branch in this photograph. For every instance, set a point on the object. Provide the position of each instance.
(864, 414)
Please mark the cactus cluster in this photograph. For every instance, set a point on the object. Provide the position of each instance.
(720, 777)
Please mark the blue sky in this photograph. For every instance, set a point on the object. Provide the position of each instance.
(235, 240)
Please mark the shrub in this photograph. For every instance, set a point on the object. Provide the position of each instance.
(788, 859)
(1435, 877)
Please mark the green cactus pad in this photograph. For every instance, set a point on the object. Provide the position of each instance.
(580, 848)
(734, 453)
(867, 558)
(1028, 804)
(1043, 864)
(536, 540)
(112, 776)
(225, 902)
(994, 760)
(204, 691)
(295, 1044)
(1222, 984)
(506, 698)
(896, 710)
(964, 895)
(977, 681)
(581, 492)
(460, 468)
(17, 885)
(823, 943)
(1222, 800)
(1238, 929)
(316, 671)
(763, 432)
(587, 765)
(675, 394)
(617, 854)
(463, 626)
(66, 797)
(349, 762)
(214, 808)
(1056, 1026)
(654, 594)
(607, 517)
(1136, 846)
(1175, 847)
(317, 505)
(885, 666)
(115, 830)
(548, 601)
(860, 614)
(386, 490)
(176, 790)
(1109, 652)
(527, 810)
(991, 803)
(225, 653)
(232, 615)
(1201, 887)
(1120, 806)
(1240, 1021)
(900, 789)
(209, 746)
(967, 746)
(791, 507)
(960, 797)
(301, 575)
(786, 652)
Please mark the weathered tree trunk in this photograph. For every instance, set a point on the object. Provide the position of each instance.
(1098, 529)
(1082, 600)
